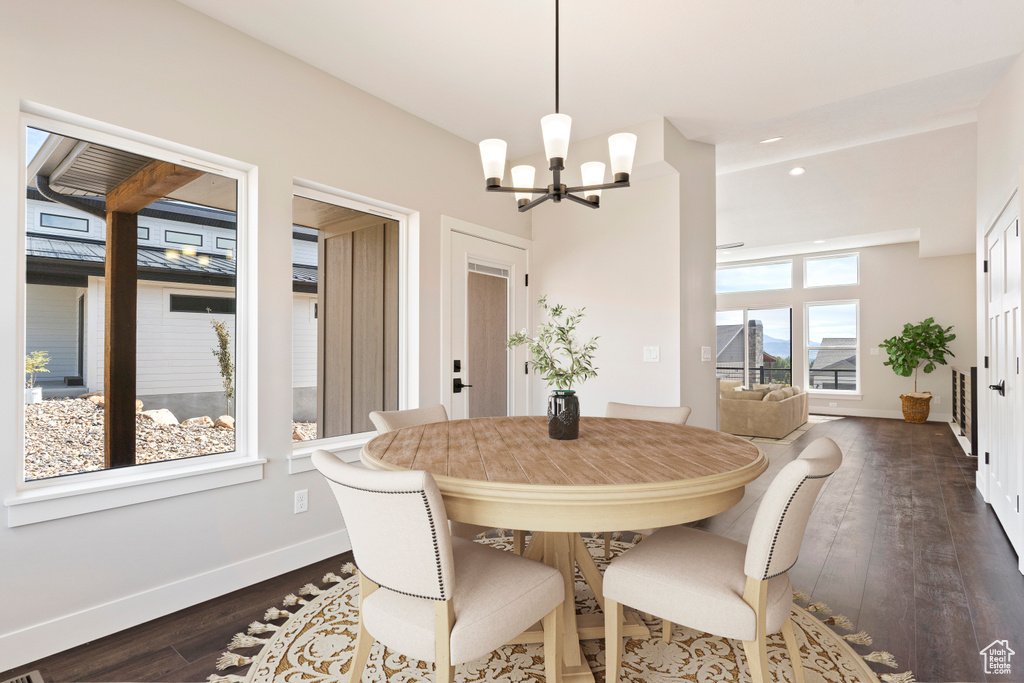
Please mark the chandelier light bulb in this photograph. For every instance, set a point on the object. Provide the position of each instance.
(522, 176)
(621, 148)
(593, 174)
(555, 129)
(492, 155)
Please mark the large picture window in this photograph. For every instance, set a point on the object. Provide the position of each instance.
(756, 277)
(832, 346)
(126, 382)
(755, 345)
(345, 318)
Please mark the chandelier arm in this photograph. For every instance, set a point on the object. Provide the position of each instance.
(606, 186)
(535, 202)
(531, 190)
(581, 200)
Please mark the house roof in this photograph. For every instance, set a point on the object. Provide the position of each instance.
(835, 359)
(52, 258)
(730, 344)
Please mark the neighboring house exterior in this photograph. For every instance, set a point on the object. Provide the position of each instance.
(835, 368)
(186, 264)
(732, 350)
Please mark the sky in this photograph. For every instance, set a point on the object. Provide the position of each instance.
(33, 141)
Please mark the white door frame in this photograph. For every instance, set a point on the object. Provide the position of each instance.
(448, 226)
(1010, 211)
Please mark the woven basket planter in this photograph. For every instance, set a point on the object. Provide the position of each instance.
(916, 407)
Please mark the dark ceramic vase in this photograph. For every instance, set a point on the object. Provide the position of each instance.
(563, 415)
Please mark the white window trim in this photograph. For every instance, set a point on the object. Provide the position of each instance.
(49, 499)
(348, 446)
(754, 264)
(846, 393)
(807, 259)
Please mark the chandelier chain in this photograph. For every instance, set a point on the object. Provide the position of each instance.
(556, 57)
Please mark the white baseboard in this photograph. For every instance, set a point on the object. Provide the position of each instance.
(867, 412)
(42, 640)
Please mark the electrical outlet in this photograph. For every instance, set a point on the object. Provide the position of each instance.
(833, 404)
(937, 400)
(301, 501)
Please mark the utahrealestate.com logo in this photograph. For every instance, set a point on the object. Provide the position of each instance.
(997, 657)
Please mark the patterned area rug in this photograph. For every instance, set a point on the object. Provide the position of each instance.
(314, 645)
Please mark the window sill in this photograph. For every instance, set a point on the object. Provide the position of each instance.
(48, 501)
(841, 395)
(346, 447)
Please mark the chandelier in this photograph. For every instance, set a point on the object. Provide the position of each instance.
(555, 130)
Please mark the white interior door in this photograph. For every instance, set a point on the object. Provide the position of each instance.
(1005, 452)
(489, 301)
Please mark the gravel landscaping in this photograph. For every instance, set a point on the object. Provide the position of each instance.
(65, 436)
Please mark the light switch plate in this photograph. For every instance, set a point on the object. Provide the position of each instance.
(705, 354)
(652, 354)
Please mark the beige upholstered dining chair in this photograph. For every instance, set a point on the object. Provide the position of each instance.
(389, 420)
(626, 411)
(426, 594)
(717, 585)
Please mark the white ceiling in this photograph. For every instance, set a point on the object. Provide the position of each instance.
(825, 74)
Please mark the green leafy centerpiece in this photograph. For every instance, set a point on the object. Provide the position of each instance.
(562, 362)
(921, 346)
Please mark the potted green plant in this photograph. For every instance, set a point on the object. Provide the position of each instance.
(562, 362)
(35, 363)
(920, 346)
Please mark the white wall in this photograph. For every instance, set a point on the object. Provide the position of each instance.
(897, 286)
(195, 82)
(51, 319)
(923, 183)
(1000, 160)
(623, 263)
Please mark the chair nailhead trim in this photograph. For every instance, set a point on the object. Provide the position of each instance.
(433, 538)
(778, 527)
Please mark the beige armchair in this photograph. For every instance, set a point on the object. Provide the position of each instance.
(626, 411)
(426, 594)
(719, 586)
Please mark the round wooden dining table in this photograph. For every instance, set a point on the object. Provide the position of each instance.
(505, 472)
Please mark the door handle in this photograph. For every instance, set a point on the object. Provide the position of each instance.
(1001, 387)
(458, 386)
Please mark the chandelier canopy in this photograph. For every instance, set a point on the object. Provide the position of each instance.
(555, 130)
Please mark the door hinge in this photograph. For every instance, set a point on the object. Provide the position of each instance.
(526, 280)
(986, 361)
(1018, 504)
(526, 368)
(986, 457)
(985, 266)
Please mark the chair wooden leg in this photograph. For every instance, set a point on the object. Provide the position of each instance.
(612, 640)
(607, 545)
(553, 639)
(755, 594)
(444, 619)
(518, 541)
(794, 650)
(666, 630)
(364, 641)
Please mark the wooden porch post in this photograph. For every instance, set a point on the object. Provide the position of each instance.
(153, 181)
(119, 348)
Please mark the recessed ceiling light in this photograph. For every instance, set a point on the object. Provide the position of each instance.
(819, 241)
(774, 139)
(797, 170)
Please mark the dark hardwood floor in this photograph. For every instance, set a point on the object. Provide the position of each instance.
(900, 542)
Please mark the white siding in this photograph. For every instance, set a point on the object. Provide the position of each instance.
(304, 253)
(303, 340)
(175, 350)
(51, 317)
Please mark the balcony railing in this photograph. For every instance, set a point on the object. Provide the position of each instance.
(840, 380)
